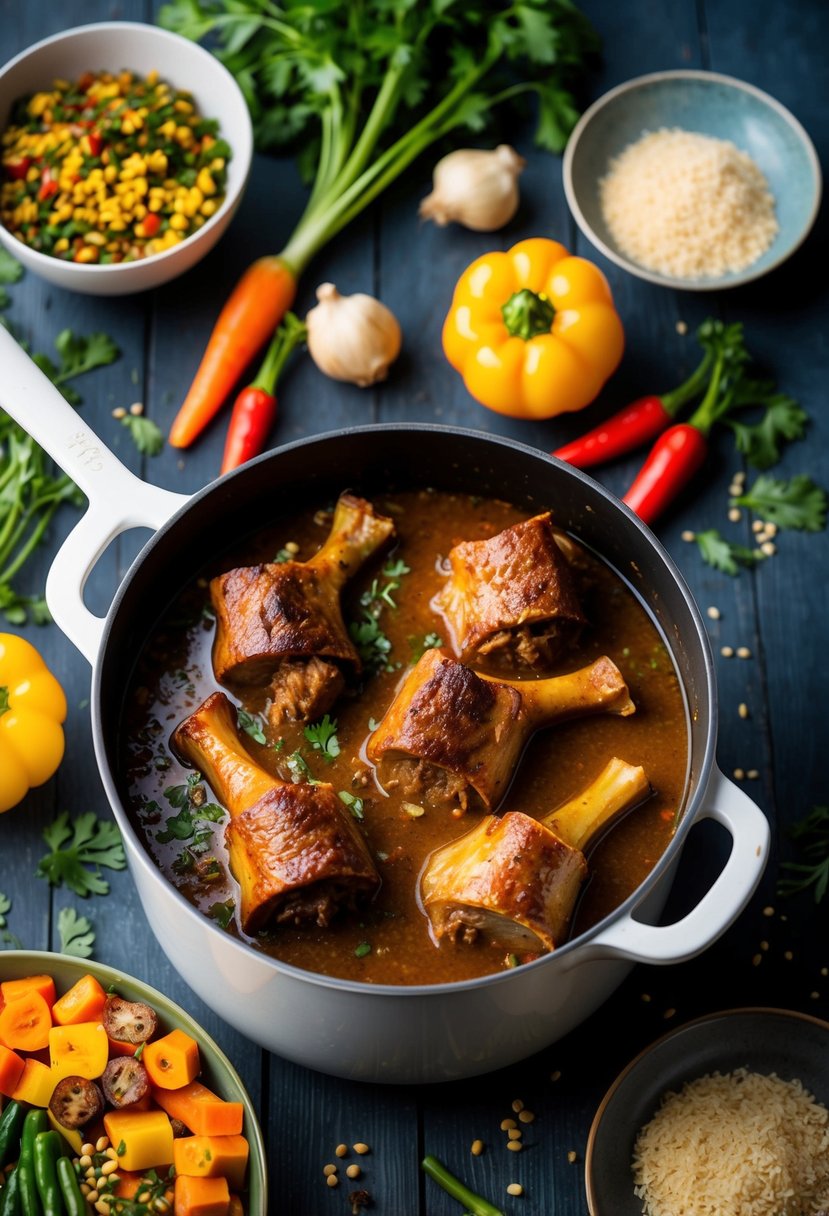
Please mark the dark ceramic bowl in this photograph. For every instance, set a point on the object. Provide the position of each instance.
(792, 1045)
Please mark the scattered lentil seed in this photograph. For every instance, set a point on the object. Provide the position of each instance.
(92, 1195)
(87, 1150)
(572, 1156)
(788, 956)
(111, 1153)
(742, 709)
(109, 1167)
(735, 515)
(743, 652)
(687, 535)
(136, 409)
(815, 996)
(669, 1013)
(101, 1144)
(682, 328)
(514, 1146)
(769, 548)
(526, 1116)
(353, 1171)
(341, 1150)
(646, 996)
(739, 774)
(768, 910)
(361, 1148)
(727, 652)
(332, 1180)
(506, 1124)
(764, 945)
(515, 1188)
(515, 1133)
(555, 1076)
(753, 774)
(714, 613)
(735, 490)
(329, 1169)
(119, 412)
(517, 1105)
(770, 529)
(477, 1148)
(824, 971)
(757, 525)
(757, 960)
(85, 1161)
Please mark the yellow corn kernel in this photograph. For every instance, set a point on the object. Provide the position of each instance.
(155, 204)
(179, 205)
(184, 136)
(152, 76)
(118, 226)
(140, 186)
(182, 106)
(217, 163)
(179, 222)
(32, 174)
(157, 162)
(139, 211)
(86, 254)
(110, 173)
(127, 127)
(209, 206)
(95, 238)
(63, 213)
(167, 129)
(61, 245)
(205, 182)
(128, 200)
(39, 103)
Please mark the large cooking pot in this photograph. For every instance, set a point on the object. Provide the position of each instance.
(380, 1032)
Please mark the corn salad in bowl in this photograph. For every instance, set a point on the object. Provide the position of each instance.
(124, 152)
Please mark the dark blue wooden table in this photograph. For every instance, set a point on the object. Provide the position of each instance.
(778, 611)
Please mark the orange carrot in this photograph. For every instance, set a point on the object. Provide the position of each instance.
(256, 306)
(25, 1022)
(44, 984)
(212, 1157)
(202, 1111)
(84, 1002)
(202, 1197)
(173, 1060)
(11, 1070)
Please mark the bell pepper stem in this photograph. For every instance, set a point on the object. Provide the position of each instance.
(527, 314)
(474, 1205)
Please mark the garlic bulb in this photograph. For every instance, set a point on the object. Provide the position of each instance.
(476, 189)
(354, 338)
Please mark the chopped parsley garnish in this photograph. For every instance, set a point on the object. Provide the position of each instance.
(283, 555)
(78, 850)
(188, 793)
(222, 913)
(7, 938)
(372, 644)
(354, 804)
(419, 646)
(252, 725)
(145, 434)
(299, 770)
(363, 949)
(796, 504)
(322, 736)
(77, 936)
(722, 555)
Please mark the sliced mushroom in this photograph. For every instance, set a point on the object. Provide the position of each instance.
(128, 1021)
(76, 1101)
(125, 1081)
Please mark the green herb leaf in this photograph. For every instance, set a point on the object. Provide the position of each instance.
(10, 269)
(419, 646)
(797, 503)
(812, 833)
(5, 908)
(252, 725)
(722, 555)
(77, 936)
(222, 913)
(782, 421)
(323, 737)
(84, 842)
(297, 766)
(363, 949)
(354, 804)
(145, 434)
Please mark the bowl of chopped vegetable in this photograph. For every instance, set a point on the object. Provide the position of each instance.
(691, 179)
(726, 1113)
(130, 1078)
(126, 152)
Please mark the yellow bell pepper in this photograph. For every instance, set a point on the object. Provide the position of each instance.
(81, 1050)
(533, 331)
(32, 711)
(144, 1137)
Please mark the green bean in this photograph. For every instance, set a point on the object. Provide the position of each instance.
(73, 1199)
(48, 1147)
(10, 1196)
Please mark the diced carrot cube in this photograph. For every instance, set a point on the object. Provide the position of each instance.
(200, 1110)
(44, 984)
(212, 1157)
(202, 1197)
(172, 1061)
(84, 1002)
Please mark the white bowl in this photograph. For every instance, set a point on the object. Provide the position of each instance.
(112, 46)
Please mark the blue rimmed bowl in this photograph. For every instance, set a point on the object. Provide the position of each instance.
(709, 104)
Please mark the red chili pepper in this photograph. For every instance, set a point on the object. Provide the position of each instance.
(17, 169)
(48, 185)
(151, 224)
(96, 142)
(254, 410)
(676, 456)
(628, 429)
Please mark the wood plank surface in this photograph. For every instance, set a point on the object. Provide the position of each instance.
(778, 611)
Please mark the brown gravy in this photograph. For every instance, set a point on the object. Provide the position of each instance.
(389, 942)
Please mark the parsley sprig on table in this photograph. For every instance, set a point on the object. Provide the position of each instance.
(77, 937)
(78, 851)
(812, 833)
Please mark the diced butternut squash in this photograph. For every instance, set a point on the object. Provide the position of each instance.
(128, 1183)
(80, 1050)
(202, 1197)
(212, 1157)
(202, 1111)
(236, 1207)
(36, 1084)
(75, 1137)
(25, 1022)
(11, 1070)
(172, 1061)
(142, 1138)
(118, 1048)
(44, 984)
(84, 1002)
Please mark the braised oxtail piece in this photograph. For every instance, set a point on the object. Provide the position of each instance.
(280, 626)
(297, 854)
(511, 601)
(516, 879)
(453, 737)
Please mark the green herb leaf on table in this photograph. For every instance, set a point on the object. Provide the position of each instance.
(78, 355)
(145, 434)
(812, 833)
(322, 736)
(783, 420)
(78, 851)
(7, 938)
(722, 555)
(796, 504)
(77, 936)
(11, 271)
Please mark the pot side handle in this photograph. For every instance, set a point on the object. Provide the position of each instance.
(722, 903)
(118, 500)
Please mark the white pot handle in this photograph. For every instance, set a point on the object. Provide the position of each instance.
(723, 902)
(118, 500)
